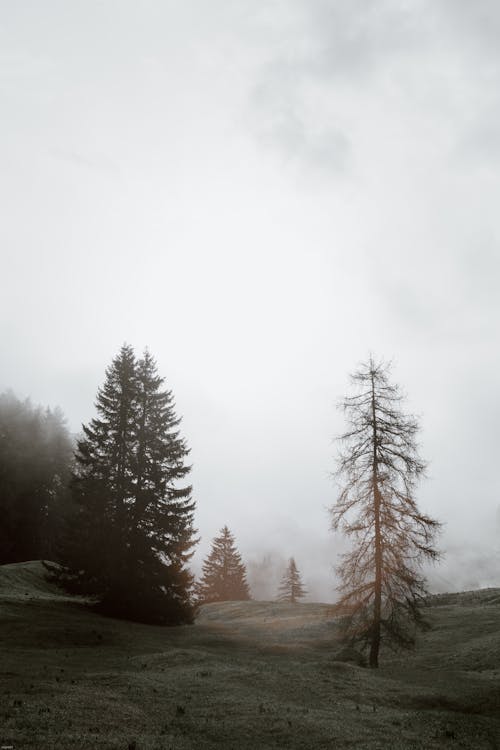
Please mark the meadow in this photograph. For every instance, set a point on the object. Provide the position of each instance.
(246, 675)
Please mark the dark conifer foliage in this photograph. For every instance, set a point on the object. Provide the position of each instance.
(223, 573)
(291, 588)
(35, 464)
(162, 511)
(102, 486)
(132, 534)
(379, 468)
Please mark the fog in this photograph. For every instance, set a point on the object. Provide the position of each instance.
(263, 194)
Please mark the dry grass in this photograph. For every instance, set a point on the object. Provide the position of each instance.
(246, 675)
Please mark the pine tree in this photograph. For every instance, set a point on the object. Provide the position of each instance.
(291, 588)
(223, 573)
(132, 532)
(379, 468)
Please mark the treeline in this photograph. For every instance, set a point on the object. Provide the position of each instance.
(36, 455)
(113, 509)
(224, 576)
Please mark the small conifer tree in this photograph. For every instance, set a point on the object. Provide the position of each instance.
(223, 573)
(291, 588)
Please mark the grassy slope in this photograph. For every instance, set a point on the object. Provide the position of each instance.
(247, 675)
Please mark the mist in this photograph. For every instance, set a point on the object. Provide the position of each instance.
(263, 196)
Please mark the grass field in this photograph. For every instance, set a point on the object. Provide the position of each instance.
(246, 675)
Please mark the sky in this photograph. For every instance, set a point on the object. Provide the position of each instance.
(263, 194)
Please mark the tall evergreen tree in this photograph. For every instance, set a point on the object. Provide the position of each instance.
(133, 528)
(291, 588)
(103, 487)
(379, 468)
(223, 573)
(162, 533)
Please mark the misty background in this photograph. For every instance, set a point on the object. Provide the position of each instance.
(262, 194)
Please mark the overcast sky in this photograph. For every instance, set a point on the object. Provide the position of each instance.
(263, 193)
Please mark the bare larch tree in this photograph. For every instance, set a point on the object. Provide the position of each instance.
(378, 470)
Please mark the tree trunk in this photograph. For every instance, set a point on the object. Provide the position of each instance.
(377, 604)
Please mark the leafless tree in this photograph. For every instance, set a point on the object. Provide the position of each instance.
(378, 470)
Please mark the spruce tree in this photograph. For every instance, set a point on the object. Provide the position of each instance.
(223, 573)
(103, 488)
(132, 532)
(161, 531)
(378, 470)
(291, 588)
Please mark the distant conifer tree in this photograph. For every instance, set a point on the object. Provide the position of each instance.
(291, 588)
(223, 573)
(132, 533)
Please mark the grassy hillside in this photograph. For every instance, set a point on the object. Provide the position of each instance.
(246, 675)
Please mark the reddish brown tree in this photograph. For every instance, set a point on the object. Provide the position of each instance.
(378, 471)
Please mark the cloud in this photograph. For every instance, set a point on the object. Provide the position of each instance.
(477, 24)
(99, 162)
(258, 294)
(327, 64)
(285, 125)
(328, 54)
(469, 33)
